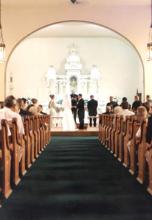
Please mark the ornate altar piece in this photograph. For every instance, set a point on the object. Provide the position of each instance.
(75, 79)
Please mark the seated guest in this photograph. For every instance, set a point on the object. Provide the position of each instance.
(148, 103)
(40, 110)
(108, 110)
(23, 108)
(149, 129)
(33, 108)
(124, 100)
(112, 103)
(136, 103)
(8, 113)
(126, 111)
(118, 110)
(142, 114)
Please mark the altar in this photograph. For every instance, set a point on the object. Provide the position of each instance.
(75, 78)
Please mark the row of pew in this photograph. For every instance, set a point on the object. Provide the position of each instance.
(126, 140)
(18, 152)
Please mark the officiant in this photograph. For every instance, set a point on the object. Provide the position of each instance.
(92, 110)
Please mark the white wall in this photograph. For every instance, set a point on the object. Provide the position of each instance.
(119, 64)
(131, 20)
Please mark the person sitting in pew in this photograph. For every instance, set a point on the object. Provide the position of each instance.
(142, 115)
(108, 110)
(22, 103)
(112, 103)
(149, 131)
(136, 103)
(33, 108)
(126, 111)
(148, 103)
(40, 110)
(8, 113)
(118, 110)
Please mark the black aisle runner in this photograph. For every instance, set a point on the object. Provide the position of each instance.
(77, 179)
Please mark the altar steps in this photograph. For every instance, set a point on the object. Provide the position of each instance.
(77, 133)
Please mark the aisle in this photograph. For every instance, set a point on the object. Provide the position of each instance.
(77, 179)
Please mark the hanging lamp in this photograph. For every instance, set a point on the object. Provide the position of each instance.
(149, 44)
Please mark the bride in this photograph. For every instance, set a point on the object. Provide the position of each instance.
(68, 122)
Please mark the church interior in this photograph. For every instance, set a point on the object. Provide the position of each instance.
(75, 109)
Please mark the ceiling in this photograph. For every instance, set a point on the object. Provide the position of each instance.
(36, 3)
(74, 29)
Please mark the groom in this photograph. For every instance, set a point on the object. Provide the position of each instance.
(80, 107)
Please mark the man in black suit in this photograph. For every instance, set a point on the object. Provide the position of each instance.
(136, 103)
(92, 110)
(112, 103)
(149, 130)
(74, 106)
(80, 107)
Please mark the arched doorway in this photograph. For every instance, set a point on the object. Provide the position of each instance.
(117, 60)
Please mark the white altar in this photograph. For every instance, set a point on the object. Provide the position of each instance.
(75, 79)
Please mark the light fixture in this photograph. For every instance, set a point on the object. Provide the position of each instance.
(95, 73)
(51, 73)
(2, 45)
(149, 44)
(73, 1)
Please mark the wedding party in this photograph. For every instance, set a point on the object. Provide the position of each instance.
(72, 112)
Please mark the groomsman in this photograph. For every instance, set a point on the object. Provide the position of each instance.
(74, 106)
(92, 110)
(80, 107)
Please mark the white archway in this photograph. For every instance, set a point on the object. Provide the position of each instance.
(122, 40)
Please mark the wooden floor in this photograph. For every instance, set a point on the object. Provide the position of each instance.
(89, 131)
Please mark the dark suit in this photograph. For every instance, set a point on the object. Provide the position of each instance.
(92, 110)
(80, 107)
(74, 108)
(149, 130)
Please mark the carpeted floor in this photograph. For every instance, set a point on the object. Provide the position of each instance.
(77, 179)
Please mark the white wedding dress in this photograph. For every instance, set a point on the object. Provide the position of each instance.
(68, 122)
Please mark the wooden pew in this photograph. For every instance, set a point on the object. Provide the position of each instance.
(131, 151)
(149, 161)
(103, 129)
(127, 138)
(121, 139)
(113, 130)
(42, 136)
(100, 127)
(110, 132)
(134, 146)
(107, 131)
(141, 153)
(48, 118)
(47, 128)
(5, 158)
(31, 134)
(116, 135)
(38, 133)
(102, 133)
(35, 134)
(18, 154)
(26, 138)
